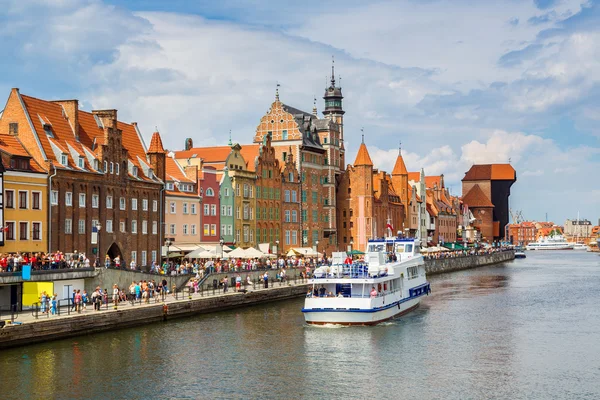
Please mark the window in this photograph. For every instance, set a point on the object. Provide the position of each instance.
(144, 227)
(209, 192)
(213, 209)
(237, 190)
(134, 171)
(230, 230)
(81, 227)
(213, 230)
(95, 200)
(134, 226)
(94, 222)
(143, 260)
(287, 237)
(23, 230)
(68, 199)
(237, 235)
(109, 227)
(284, 134)
(122, 203)
(294, 237)
(68, 226)
(304, 196)
(287, 217)
(53, 197)
(185, 208)
(294, 216)
(291, 177)
(109, 202)
(134, 257)
(154, 205)
(206, 209)
(144, 204)
(223, 211)
(246, 233)
(226, 192)
(173, 208)
(117, 168)
(134, 204)
(112, 168)
(153, 255)
(230, 211)
(304, 216)
(37, 231)
(315, 216)
(245, 190)
(193, 229)
(105, 167)
(23, 199)
(206, 229)
(193, 208)
(286, 196)
(64, 160)
(35, 201)
(10, 231)
(154, 227)
(172, 229)
(81, 200)
(80, 163)
(185, 229)
(314, 197)
(170, 186)
(122, 227)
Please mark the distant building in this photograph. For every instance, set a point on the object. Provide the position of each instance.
(578, 228)
(486, 189)
(521, 234)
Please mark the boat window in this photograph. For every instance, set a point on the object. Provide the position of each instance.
(417, 249)
(389, 247)
(409, 248)
(399, 248)
(412, 272)
(376, 247)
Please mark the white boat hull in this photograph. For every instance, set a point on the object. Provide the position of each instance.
(360, 317)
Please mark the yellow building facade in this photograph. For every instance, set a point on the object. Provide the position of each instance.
(25, 200)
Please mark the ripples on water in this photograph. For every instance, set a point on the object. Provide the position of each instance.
(524, 329)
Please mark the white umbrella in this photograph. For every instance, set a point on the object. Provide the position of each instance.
(253, 253)
(237, 253)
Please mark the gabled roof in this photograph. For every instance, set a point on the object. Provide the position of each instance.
(363, 157)
(174, 171)
(10, 144)
(476, 198)
(400, 167)
(430, 181)
(490, 172)
(210, 155)
(250, 152)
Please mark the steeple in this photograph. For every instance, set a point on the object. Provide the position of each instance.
(157, 156)
(363, 158)
(333, 99)
(399, 167)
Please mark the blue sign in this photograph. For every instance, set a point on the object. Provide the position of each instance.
(26, 272)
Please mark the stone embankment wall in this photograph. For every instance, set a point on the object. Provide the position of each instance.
(64, 327)
(107, 277)
(443, 265)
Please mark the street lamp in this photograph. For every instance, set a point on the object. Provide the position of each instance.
(98, 228)
(168, 243)
(276, 247)
(221, 243)
(317, 244)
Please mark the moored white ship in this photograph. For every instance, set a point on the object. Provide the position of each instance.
(390, 283)
(556, 242)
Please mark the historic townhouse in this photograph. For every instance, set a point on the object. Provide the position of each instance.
(183, 202)
(268, 197)
(212, 230)
(102, 177)
(317, 145)
(25, 199)
(291, 189)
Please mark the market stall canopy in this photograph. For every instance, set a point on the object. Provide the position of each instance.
(356, 253)
(303, 251)
(453, 246)
(196, 253)
(237, 253)
(253, 253)
(435, 249)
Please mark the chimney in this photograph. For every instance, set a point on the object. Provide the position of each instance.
(71, 113)
(108, 117)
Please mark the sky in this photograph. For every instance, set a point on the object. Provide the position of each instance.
(458, 82)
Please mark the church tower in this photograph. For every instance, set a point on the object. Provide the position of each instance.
(400, 181)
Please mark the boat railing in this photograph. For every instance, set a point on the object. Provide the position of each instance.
(356, 295)
(359, 270)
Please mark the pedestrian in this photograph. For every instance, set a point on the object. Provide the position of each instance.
(85, 299)
(43, 302)
(266, 279)
(225, 284)
(78, 301)
(73, 307)
(53, 307)
(115, 294)
(238, 283)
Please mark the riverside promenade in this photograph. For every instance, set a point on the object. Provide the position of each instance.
(33, 327)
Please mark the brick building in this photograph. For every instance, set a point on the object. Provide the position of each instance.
(490, 184)
(99, 167)
(522, 233)
(268, 197)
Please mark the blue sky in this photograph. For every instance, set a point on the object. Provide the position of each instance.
(458, 82)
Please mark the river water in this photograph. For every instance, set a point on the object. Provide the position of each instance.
(523, 329)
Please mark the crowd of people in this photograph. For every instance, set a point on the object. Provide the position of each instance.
(464, 252)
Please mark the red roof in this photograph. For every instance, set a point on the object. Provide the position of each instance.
(476, 198)
(11, 145)
(490, 172)
(363, 157)
(174, 172)
(156, 145)
(399, 167)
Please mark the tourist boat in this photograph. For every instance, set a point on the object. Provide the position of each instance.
(390, 283)
(556, 242)
(520, 254)
(580, 246)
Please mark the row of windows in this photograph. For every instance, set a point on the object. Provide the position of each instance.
(24, 232)
(186, 229)
(188, 208)
(267, 193)
(187, 187)
(142, 261)
(108, 226)
(96, 201)
(24, 199)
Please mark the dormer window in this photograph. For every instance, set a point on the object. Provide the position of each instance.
(48, 130)
(64, 160)
(134, 171)
(80, 162)
(96, 165)
(170, 186)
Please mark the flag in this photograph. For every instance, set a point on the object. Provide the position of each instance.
(390, 227)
